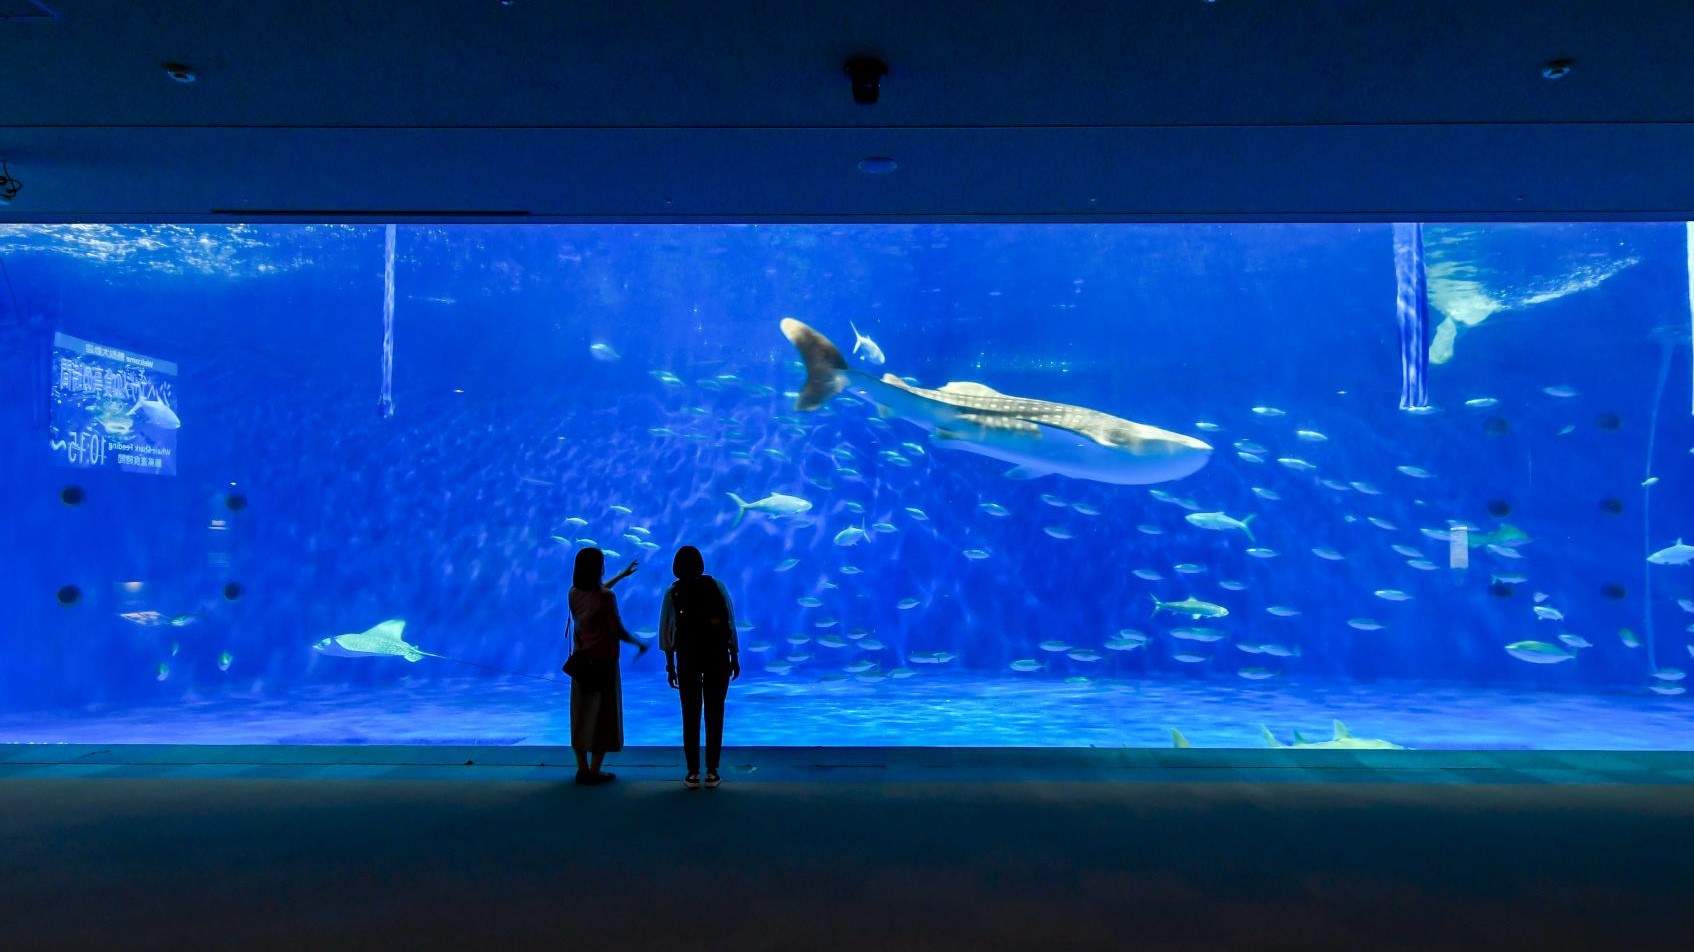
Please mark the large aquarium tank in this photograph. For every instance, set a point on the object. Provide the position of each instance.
(1338, 485)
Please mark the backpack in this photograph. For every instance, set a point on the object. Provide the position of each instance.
(702, 617)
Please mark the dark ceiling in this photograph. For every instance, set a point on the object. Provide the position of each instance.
(711, 111)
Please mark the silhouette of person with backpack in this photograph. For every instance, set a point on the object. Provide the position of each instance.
(697, 634)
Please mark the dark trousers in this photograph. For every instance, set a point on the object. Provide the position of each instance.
(702, 681)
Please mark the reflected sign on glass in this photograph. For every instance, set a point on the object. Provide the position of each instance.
(112, 408)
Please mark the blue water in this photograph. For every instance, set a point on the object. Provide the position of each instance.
(546, 379)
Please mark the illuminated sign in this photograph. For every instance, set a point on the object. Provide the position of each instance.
(113, 408)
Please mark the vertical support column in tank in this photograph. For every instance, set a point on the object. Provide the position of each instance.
(1411, 303)
(385, 405)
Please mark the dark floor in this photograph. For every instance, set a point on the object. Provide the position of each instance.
(406, 847)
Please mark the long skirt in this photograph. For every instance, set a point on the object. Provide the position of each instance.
(597, 716)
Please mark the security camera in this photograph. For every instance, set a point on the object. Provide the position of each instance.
(866, 72)
(9, 186)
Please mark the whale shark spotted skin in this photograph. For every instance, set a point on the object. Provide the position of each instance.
(1037, 436)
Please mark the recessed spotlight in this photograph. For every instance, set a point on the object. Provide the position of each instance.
(1557, 69)
(877, 165)
(181, 73)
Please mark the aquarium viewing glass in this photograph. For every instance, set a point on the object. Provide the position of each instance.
(968, 484)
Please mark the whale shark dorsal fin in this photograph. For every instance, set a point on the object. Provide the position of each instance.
(969, 388)
(1341, 732)
(1300, 738)
(391, 629)
(1177, 740)
(1269, 737)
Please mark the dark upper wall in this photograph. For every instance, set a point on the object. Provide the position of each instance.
(645, 109)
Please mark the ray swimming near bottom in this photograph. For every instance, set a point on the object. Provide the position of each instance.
(386, 640)
(1342, 740)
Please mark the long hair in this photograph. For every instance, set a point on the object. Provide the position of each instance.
(590, 566)
(688, 563)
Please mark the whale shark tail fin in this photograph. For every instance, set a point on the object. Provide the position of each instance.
(1177, 740)
(1247, 530)
(1269, 737)
(741, 506)
(826, 369)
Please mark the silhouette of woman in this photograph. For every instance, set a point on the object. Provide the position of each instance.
(697, 634)
(597, 710)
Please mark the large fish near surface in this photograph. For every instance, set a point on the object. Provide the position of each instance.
(1037, 436)
(1678, 554)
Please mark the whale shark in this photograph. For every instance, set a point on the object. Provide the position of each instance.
(1037, 436)
(383, 640)
(158, 413)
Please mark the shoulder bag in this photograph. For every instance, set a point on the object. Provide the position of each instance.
(591, 674)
